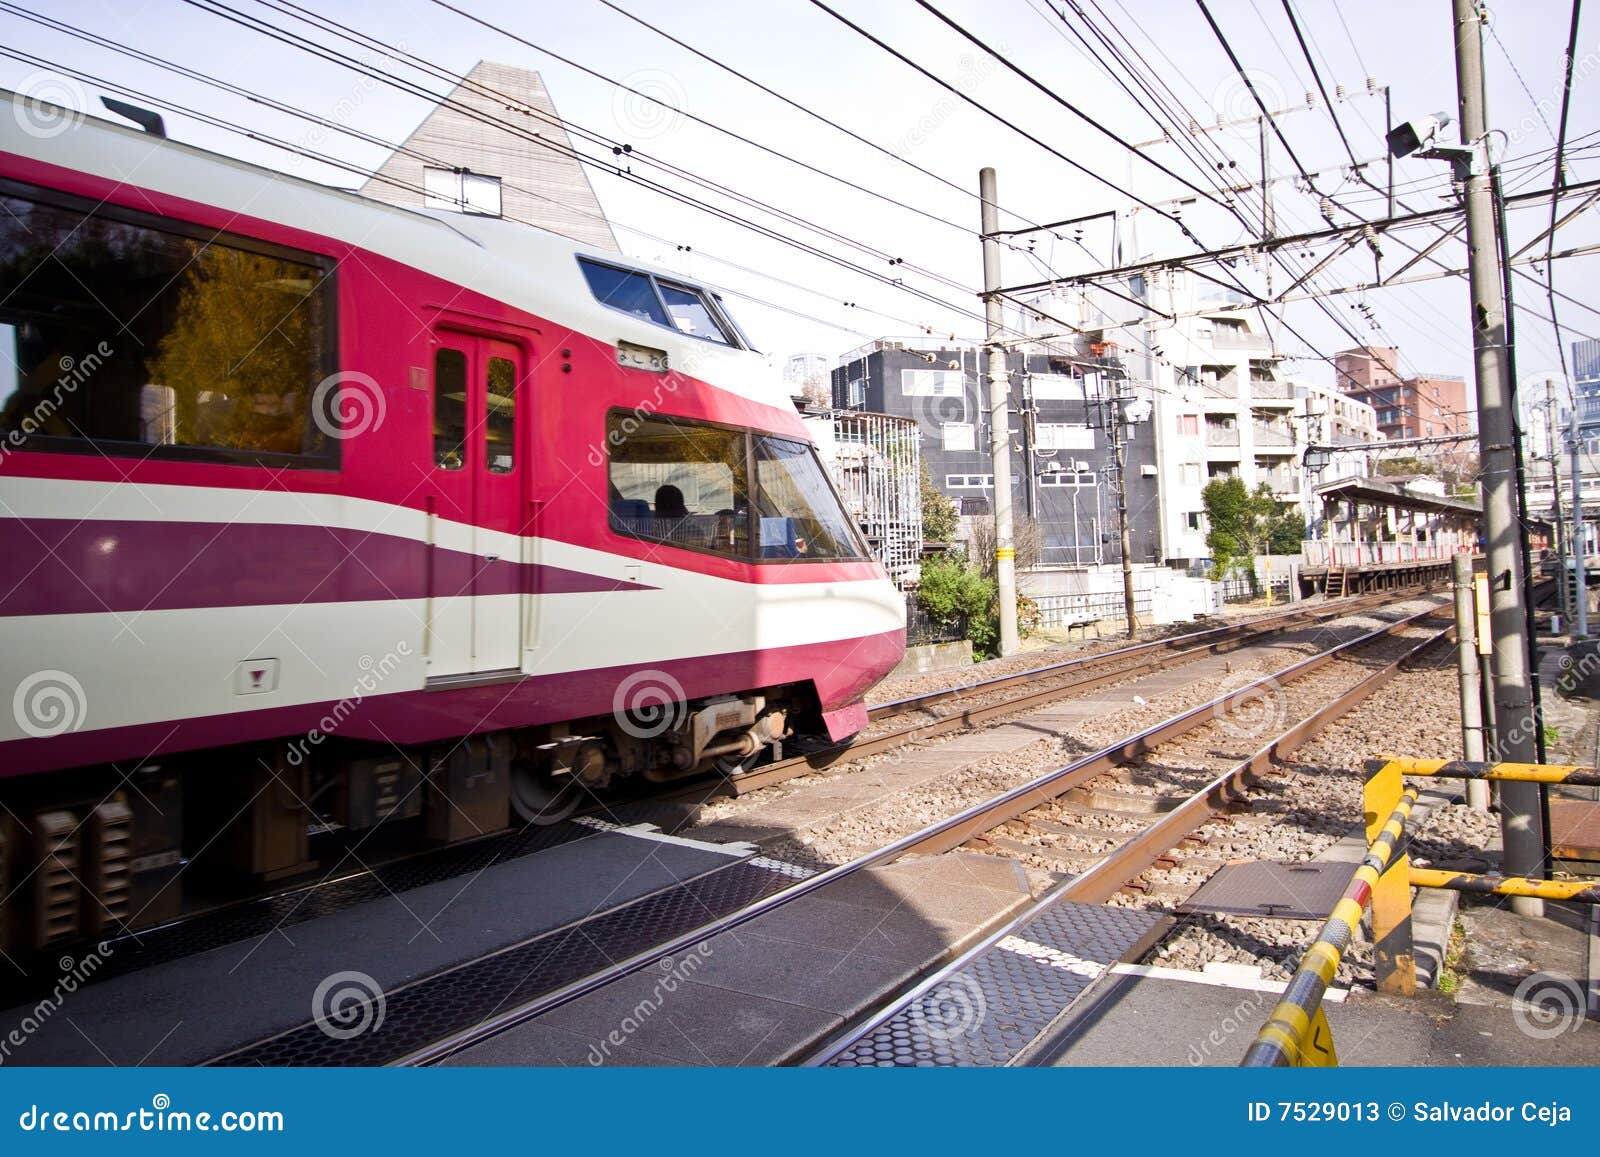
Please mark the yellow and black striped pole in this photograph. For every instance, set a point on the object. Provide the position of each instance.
(1283, 1038)
(1573, 774)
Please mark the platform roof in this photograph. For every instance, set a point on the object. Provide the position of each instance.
(1375, 493)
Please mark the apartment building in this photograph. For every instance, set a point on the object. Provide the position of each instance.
(1423, 406)
(1062, 400)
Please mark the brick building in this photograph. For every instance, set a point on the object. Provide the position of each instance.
(1417, 407)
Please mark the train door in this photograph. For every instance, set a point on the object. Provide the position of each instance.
(479, 443)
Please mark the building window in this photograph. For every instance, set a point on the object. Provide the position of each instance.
(1064, 436)
(958, 436)
(855, 393)
(1192, 520)
(461, 191)
(932, 383)
(134, 334)
(974, 506)
(1189, 425)
(1056, 387)
(968, 481)
(1189, 473)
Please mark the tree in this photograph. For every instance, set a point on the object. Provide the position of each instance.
(1026, 539)
(939, 516)
(951, 590)
(1247, 523)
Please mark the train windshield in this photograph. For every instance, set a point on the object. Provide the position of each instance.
(723, 490)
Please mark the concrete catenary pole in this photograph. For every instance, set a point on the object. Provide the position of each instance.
(1120, 459)
(1522, 829)
(1472, 746)
(1580, 559)
(1005, 554)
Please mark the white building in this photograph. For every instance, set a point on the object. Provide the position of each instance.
(1222, 408)
(1327, 417)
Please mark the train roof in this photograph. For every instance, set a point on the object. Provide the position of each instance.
(526, 266)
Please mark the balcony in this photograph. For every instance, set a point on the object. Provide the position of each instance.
(1271, 392)
(1268, 440)
(1225, 338)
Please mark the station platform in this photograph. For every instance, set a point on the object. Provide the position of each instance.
(1336, 581)
(1210, 1020)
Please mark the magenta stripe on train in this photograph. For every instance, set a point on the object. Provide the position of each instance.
(55, 566)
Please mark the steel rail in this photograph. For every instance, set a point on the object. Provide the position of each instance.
(942, 835)
(1180, 648)
(1122, 865)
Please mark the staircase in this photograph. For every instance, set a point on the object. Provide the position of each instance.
(1337, 582)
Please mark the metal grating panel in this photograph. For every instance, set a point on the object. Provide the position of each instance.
(987, 1013)
(447, 1002)
(1303, 891)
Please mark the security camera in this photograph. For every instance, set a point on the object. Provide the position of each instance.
(1412, 136)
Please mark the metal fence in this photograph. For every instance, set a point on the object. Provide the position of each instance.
(1239, 589)
(1068, 610)
(922, 628)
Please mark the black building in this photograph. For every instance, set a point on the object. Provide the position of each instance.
(1063, 463)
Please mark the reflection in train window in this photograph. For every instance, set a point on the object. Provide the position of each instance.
(125, 329)
(499, 425)
(449, 408)
(679, 482)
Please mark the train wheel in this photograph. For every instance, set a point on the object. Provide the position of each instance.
(541, 797)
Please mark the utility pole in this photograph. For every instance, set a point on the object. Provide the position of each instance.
(1521, 819)
(1119, 460)
(1554, 454)
(1472, 746)
(1005, 552)
(1580, 560)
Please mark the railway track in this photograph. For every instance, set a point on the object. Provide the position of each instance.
(927, 716)
(959, 708)
(1379, 655)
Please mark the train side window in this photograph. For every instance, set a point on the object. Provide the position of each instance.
(679, 482)
(500, 423)
(624, 289)
(449, 408)
(691, 313)
(129, 333)
(800, 513)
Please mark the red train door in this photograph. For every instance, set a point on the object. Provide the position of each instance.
(476, 596)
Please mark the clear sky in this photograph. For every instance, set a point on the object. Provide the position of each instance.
(799, 50)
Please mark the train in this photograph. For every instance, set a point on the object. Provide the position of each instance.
(321, 517)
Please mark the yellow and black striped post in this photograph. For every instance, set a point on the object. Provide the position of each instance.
(1284, 1038)
(1573, 774)
(1394, 957)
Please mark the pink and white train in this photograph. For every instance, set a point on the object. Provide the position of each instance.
(322, 514)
